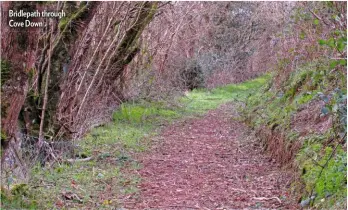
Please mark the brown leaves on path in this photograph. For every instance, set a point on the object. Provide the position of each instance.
(210, 163)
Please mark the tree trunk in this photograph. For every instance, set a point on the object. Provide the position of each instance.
(18, 51)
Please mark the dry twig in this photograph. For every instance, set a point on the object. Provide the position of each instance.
(264, 198)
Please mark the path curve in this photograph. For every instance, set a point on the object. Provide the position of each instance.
(210, 163)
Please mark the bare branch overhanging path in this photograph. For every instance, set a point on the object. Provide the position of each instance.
(210, 163)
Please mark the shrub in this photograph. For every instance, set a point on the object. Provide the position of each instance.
(192, 75)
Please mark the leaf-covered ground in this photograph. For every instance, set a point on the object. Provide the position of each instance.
(212, 162)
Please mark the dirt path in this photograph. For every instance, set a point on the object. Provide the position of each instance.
(210, 163)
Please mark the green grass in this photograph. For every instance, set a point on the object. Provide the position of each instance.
(202, 100)
(18, 198)
(143, 112)
(99, 183)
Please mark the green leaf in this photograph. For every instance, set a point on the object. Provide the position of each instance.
(330, 4)
(343, 38)
(322, 42)
(333, 64)
(316, 22)
(337, 32)
(341, 45)
(343, 62)
(331, 42)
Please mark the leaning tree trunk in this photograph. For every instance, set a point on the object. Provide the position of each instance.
(93, 86)
(18, 55)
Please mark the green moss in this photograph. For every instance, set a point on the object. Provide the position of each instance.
(65, 22)
(20, 189)
(323, 182)
(19, 197)
(3, 135)
(4, 140)
(5, 71)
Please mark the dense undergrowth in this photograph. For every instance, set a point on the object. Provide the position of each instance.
(104, 179)
(320, 159)
(301, 115)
